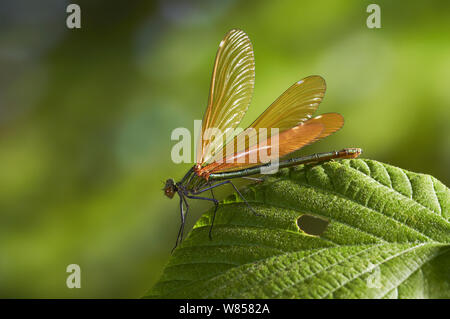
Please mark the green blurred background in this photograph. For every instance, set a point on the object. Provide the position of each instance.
(86, 117)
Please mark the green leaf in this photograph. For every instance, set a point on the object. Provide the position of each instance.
(388, 236)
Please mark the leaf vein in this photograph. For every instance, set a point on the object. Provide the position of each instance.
(371, 268)
(324, 269)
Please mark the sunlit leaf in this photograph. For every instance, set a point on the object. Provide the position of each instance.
(388, 236)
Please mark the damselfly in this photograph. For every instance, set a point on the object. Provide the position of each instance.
(230, 94)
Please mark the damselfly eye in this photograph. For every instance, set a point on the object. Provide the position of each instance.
(169, 191)
(170, 188)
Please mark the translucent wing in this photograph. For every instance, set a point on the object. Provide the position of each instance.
(286, 142)
(294, 106)
(331, 122)
(230, 94)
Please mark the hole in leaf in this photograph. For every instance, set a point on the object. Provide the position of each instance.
(312, 225)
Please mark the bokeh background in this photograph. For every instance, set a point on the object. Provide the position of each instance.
(86, 117)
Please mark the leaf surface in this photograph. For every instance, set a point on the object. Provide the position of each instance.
(388, 236)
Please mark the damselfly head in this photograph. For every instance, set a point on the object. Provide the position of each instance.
(170, 188)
